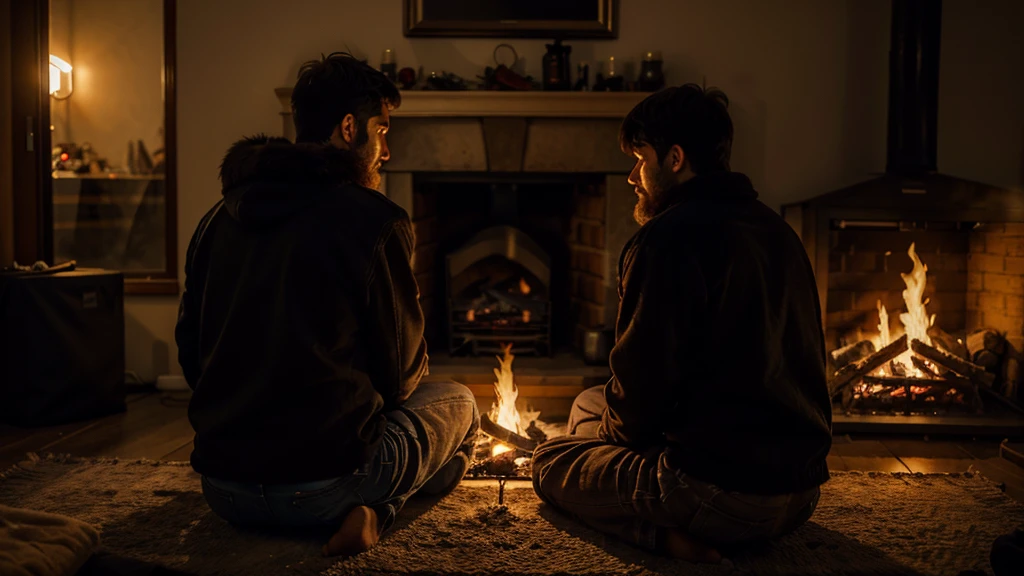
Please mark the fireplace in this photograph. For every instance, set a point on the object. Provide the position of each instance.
(920, 274)
(510, 259)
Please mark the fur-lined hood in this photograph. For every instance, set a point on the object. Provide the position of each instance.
(265, 179)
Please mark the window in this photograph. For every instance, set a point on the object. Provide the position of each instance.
(105, 184)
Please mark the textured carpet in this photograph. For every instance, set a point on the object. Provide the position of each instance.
(866, 524)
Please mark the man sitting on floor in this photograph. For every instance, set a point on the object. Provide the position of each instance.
(714, 428)
(300, 329)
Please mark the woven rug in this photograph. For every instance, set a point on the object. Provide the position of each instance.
(866, 523)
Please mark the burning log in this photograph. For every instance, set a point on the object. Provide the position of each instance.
(924, 367)
(852, 353)
(505, 435)
(909, 388)
(969, 388)
(947, 342)
(968, 370)
(853, 373)
(517, 300)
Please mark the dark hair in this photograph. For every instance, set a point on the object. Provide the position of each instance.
(695, 119)
(333, 87)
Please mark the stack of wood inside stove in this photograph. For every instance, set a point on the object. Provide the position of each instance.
(949, 368)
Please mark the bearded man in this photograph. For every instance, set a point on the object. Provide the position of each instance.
(300, 329)
(715, 425)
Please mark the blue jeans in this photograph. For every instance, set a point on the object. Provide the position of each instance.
(636, 496)
(436, 423)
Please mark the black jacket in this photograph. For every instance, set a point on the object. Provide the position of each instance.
(719, 348)
(300, 321)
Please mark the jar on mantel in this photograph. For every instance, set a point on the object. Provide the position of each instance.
(388, 65)
(651, 78)
(556, 66)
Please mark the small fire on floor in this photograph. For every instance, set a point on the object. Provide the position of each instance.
(505, 446)
(923, 371)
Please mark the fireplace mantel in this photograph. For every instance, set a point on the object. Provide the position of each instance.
(495, 103)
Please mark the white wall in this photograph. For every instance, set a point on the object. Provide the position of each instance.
(981, 91)
(807, 80)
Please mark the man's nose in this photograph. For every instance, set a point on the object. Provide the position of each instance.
(385, 152)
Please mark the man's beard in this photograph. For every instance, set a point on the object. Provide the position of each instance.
(650, 203)
(368, 168)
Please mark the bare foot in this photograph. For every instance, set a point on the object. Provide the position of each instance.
(679, 544)
(358, 532)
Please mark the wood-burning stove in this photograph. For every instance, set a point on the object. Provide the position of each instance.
(968, 233)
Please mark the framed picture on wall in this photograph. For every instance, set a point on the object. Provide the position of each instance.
(512, 18)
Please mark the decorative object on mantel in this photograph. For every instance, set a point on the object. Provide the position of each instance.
(651, 78)
(407, 78)
(582, 77)
(503, 77)
(511, 19)
(445, 81)
(556, 66)
(388, 65)
(612, 82)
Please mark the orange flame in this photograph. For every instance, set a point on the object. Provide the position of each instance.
(524, 288)
(915, 320)
(503, 411)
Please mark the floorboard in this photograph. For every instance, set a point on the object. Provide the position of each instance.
(15, 443)
(836, 462)
(979, 449)
(914, 448)
(1000, 471)
(180, 454)
(868, 455)
(113, 435)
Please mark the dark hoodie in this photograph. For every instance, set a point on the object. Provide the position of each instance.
(300, 321)
(719, 349)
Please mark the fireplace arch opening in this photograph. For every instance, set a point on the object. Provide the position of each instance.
(498, 286)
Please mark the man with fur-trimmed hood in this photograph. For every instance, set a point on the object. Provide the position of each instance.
(300, 329)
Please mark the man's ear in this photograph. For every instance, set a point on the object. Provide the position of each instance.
(346, 131)
(675, 160)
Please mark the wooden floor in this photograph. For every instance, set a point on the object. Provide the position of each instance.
(156, 427)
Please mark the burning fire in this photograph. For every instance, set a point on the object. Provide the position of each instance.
(504, 412)
(524, 288)
(915, 320)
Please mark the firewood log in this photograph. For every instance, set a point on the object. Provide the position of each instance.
(505, 435)
(852, 353)
(985, 340)
(852, 373)
(924, 367)
(948, 342)
(968, 370)
(987, 359)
